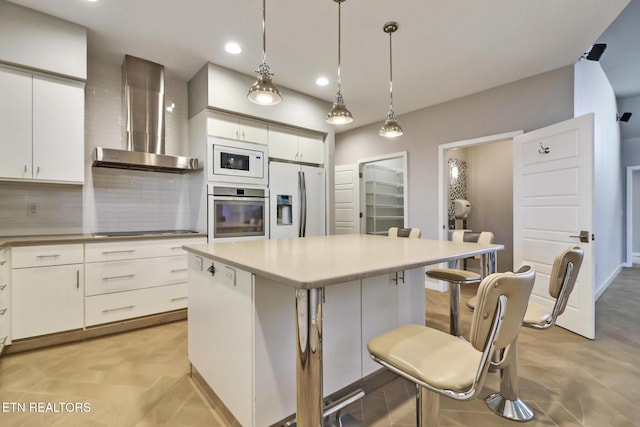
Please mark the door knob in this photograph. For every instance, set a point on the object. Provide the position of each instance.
(212, 270)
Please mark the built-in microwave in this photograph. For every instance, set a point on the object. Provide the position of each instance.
(237, 162)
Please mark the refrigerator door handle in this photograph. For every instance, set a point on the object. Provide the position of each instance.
(303, 204)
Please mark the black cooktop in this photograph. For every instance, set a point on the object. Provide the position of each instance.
(141, 233)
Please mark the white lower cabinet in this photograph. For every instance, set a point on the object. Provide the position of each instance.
(46, 295)
(131, 279)
(116, 306)
(5, 300)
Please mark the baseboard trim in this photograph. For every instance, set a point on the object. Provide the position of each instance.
(67, 337)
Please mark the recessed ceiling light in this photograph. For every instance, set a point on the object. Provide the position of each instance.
(233, 48)
(322, 81)
(92, 1)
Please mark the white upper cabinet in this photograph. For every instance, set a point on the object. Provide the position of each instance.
(238, 128)
(58, 130)
(15, 124)
(298, 146)
(41, 128)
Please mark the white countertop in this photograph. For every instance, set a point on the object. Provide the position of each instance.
(313, 262)
(59, 239)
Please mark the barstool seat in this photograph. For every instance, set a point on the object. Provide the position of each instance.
(441, 364)
(457, 277)
(564, 272)
(463, 277)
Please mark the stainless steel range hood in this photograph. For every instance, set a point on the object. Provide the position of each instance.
(143, 83)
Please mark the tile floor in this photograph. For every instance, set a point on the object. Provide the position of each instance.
(141, 378)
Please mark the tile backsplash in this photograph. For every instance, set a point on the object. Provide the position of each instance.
(111, 199)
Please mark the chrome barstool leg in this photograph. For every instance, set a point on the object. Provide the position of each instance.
(507, 403)
(427, 408)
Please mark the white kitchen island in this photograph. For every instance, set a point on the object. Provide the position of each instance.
(275, 325)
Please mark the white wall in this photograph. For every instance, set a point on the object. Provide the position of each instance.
(527, 104)
(593, 93)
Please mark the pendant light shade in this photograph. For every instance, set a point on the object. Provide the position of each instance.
(339, 115)
(263, 91)
(391, 128)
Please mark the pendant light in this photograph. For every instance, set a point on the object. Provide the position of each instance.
(391, 128)
(339, 115)
(263, 91)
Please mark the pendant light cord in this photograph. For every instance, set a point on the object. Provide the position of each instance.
(264, 31)
(390, 73)
(339, 39)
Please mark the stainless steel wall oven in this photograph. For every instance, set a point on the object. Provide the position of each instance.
(237, 213)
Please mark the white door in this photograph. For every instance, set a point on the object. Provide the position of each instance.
(347, 214)
(553, 198)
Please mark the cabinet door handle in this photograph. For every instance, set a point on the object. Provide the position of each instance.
(25, 169)
(3, 262)
(38, 170)
(48, 256)
(3, 287)
(179, 269)
(125, 276)
(176, 247)
(109, 310)
(130, 251)
(3, 311)
(177, 299)
(77, 279)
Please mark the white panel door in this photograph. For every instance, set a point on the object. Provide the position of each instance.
(346, 189)
(553, 198)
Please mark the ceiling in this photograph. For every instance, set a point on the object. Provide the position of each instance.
(441, 51)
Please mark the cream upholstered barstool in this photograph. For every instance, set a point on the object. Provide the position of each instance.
(411, 233)
(562, 279)
(457, 276)
(440, 363)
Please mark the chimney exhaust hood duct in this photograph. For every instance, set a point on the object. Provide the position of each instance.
(143, 83)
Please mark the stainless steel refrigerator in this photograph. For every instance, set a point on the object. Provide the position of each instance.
(297, 200)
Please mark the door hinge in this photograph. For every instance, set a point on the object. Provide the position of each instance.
(360, 175)
(360, 214)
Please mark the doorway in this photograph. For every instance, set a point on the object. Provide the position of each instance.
(480, 172)
(633, 216)
(383, 191)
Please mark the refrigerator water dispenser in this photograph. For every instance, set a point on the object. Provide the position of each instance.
(283, 210)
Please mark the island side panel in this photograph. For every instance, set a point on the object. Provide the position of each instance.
(275, 364)
(342, 325)
(220, 332)
(411, 298)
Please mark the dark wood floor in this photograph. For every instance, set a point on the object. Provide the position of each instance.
(141, 378)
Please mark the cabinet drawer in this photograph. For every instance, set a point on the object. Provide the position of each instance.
(117, 276)
(129, 304)
(114, 251)
(39, 256)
